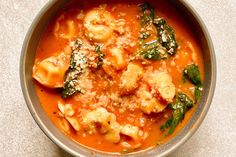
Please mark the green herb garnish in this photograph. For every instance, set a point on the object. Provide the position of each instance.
(166, 36)
(180, 106)
(69, 89)
(165, 44)
(192, 73)
(197, 93)
(148, 14)
(78, 63)
(100, 55)
(153, 51)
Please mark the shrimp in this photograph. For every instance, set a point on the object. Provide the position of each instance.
(99, 25)
(130, 78)
(148, 103)
(162, 84)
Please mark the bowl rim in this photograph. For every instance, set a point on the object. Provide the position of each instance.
(52, 137)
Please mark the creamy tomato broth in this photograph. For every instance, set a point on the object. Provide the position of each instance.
(119, 76)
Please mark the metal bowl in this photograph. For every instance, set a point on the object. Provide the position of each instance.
(27, 85)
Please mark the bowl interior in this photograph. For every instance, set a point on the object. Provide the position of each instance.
(27, 62)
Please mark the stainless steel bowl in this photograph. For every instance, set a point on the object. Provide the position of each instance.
(27, 61)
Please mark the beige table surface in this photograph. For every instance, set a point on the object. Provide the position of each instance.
(19, 134)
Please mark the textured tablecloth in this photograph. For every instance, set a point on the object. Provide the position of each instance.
(19, 134)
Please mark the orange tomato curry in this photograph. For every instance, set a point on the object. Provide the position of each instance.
(96, 81)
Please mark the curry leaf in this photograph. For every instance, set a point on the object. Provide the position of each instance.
(192, 73)
(100, 55)
(78, 63)
(180, 106)
(177, 118)
(148, 14)
(152, 51)
(197, 93)
(185, 99)
(167, 124)
(69, 89)
(166, 36)
(165, 44)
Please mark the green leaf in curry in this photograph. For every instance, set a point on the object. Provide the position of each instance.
(165, 44)
(100, 55)
(78, 63)
(197, 93)
(192, 73)
(69, 89)
(167, 124)
(166, 36)
(180, 106)
(148, 14)
(184, 99)
(146, 18)
(76, 47)
(153, 51)
(182, 102)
